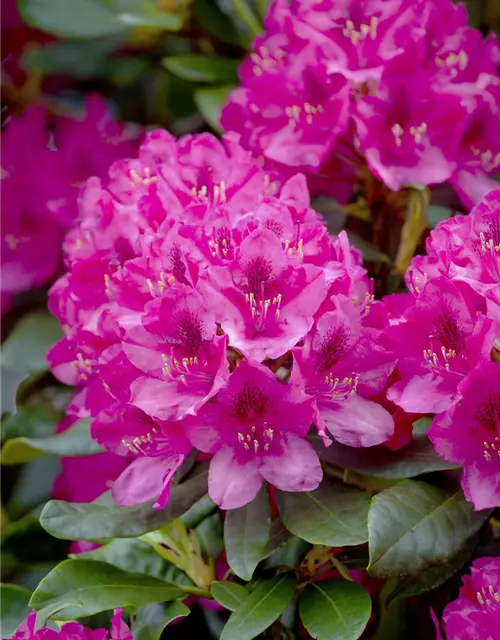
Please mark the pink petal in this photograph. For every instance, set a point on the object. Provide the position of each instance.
(146, 478)
(233, 483)
(480, 488)
(296, 468)
(357, 422)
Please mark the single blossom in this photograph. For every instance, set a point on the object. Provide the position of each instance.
(445, 334)
(342, 365)
(255, 428)
(469, 434)
(475, 614)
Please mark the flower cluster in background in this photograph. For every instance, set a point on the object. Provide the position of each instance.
(203, 309)
(326, 91)
(73, 630)
(44, 164)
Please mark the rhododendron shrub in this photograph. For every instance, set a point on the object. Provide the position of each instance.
(267, 385)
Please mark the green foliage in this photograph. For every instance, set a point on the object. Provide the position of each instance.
(13, 607)
(25, 349)
(246, 533)
(210, 102)
(151, 620)
(229, 594)
(414, 526)
(260, 609)
(335, 610)
(196, 68)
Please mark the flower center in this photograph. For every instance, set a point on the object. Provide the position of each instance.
(342, 389)
(487, 596)
(257, 438)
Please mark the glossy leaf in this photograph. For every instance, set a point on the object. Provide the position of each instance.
(210, 102)
(32, 421)
(414, 525)
(137, 556)
(215, 21)
(93, 18)
(416, 458)
(76, 441)
(246, 533)
(335, 610)
(209, 534)
(26, 347)
(197, 68)
(151, 620)
(100, 522)
(13, 607)
(79, 588)
(333, 514)
(229, 594)
(262, 607)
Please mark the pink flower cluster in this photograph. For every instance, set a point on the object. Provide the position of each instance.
(446, 335)
(74, 630)
(475, 615)
(403, 87)
(203, 308)
(42, 172)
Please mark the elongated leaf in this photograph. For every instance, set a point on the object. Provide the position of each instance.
(100, 522)
(335, 610)
(246, 533)
(76, 441)
(151, 620)
(211, 18)
(93, 18)
(229, 594)
(137, 556)
(416, 458)
(210, 102)
(262, 607)
(197, 68)
(26, 347)
(333, 515)
(79, 588)
(33, 421)
(413, 526)
(209, 534)
(13, 607)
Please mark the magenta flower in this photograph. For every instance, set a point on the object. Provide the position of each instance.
(158, 449)
(341, 365)
(475, 614)
(469, 434)
(178, 348)
(73, 630)
(445, 335)
(264, 302)
(256, 428)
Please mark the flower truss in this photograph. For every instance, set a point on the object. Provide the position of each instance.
(204, 308)
(446, 336)
(41, 177)
(325, 91)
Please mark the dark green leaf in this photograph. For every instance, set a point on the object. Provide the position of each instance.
(13, 607)
(416, 458)
(395, 623)
(32, 421)
(369, 251)
(434, 576)
(197, 68)
(437, 214)
(26, 347)
(149, 621)
(92, 18)
(420, 427)
(262, 7)
(137, 556)
(198, 512)
(211, 18)
(290, 554)
(333, 515)
(335, 610)
(100, 522)
(79, 588)
(209, 533)
(260, 609)
(76, 441)
(210, 102)
(246, 533)
(414, 526)
(229, 594)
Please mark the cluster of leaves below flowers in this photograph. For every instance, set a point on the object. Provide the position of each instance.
(325, 92)
(204, 308)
